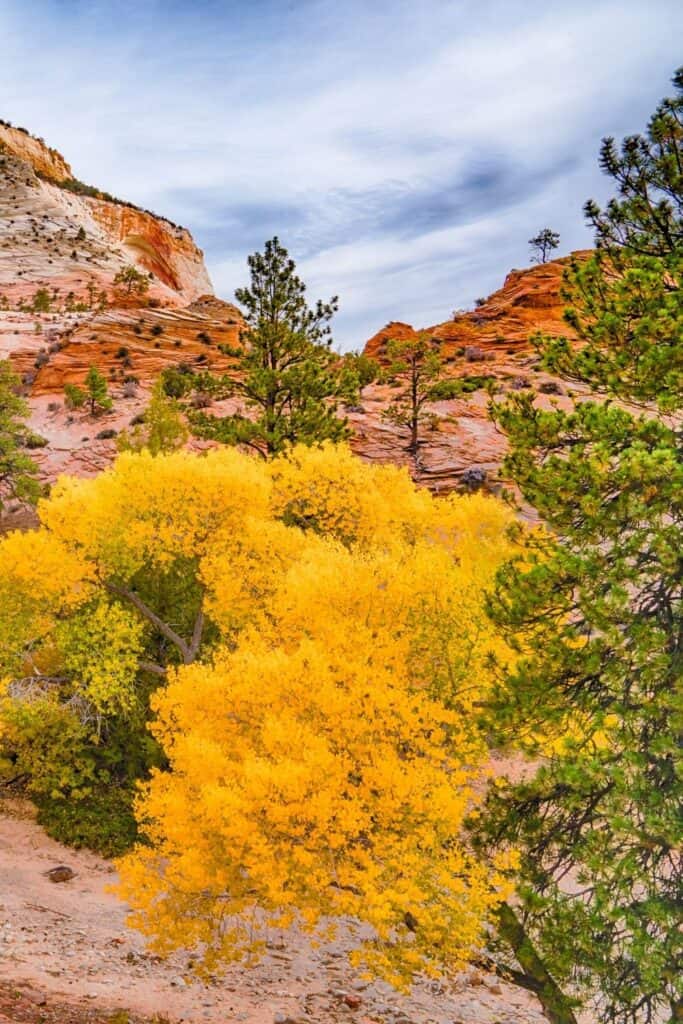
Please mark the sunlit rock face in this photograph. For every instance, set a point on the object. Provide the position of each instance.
(54, 238)
(66, 249)
(491, 341)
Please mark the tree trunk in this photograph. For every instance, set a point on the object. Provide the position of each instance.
(414, 411)
(556, 1006)
(413, 436)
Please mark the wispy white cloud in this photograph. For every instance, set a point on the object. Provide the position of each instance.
(405, 152)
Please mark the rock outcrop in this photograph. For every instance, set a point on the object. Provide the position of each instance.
(490, 342)
(502, 324)
(59, 235)
(44, 160)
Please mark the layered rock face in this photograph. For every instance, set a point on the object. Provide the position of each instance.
(60, 312)
(492, 341)
(72, 244)
(502, 324)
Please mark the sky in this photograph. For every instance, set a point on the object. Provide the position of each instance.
(404, 152)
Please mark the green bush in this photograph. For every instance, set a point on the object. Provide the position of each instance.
(74, 396)
(41, 301)
(177, 381)
(36, 441)
(82, 783)
(102, 822)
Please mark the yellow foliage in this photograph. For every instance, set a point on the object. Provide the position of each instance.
(101, 646)
(310, 782)
(322, 734)
(330, 491)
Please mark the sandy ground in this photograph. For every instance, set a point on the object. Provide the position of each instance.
(67, 945)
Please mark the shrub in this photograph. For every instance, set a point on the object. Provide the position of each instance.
(177, 381)
(74, 396)
(550, 387)
(131, 280)
(36, 441)
(41, 301)
(103, 822)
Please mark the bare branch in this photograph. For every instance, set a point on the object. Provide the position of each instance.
(151, 616)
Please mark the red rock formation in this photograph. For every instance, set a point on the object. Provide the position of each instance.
(529, 301)
(45, 160)
(74, 244)
(490, 341)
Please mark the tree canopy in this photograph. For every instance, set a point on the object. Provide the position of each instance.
(417, 367)
(313, 635)
(543, 244)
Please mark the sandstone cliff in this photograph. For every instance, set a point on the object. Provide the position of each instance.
(43, 159)
(55, 235)
(502, 324)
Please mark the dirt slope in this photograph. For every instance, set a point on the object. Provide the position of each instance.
(68, 944)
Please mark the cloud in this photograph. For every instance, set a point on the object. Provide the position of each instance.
(404, 152)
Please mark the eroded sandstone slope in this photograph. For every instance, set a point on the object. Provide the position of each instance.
(73, 244)
(489, 343)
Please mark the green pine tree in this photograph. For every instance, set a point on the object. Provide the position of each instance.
(290, 381)
(97, 393)
(18, 473)
(417, 366)
(543, 244)
(596, 610)
(132, 280)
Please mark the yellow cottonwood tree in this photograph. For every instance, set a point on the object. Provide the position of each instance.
(312, 634)
(308, 782)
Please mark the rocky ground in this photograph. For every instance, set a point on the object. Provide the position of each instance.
(66, 955)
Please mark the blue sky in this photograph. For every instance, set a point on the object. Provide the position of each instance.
(403, 151)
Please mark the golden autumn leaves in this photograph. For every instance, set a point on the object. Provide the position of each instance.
(319, 711)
